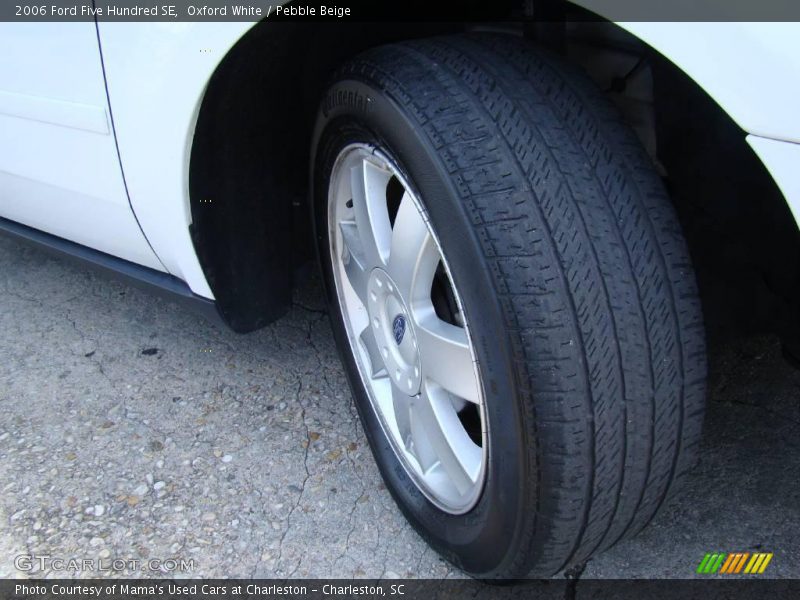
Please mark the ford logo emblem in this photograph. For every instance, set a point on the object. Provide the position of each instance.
(399, 328)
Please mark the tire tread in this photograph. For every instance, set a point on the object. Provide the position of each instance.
(592, 272)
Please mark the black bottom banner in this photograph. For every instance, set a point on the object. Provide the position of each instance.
(267, 589)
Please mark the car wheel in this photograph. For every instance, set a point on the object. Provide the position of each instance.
(512, 298)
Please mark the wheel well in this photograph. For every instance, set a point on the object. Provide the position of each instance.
(743, 238)
(249, 159)
(248, 176)
(742, 235)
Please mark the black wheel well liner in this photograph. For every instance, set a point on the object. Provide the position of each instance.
(249, 159)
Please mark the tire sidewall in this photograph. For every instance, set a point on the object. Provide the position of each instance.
(485, 540)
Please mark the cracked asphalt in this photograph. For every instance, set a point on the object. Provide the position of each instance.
(132, 429)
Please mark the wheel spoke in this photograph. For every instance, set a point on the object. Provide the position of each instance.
(368, 187)
(445, 355)
(377, 366)
(413, 257)
(402, 413)
(412, 430)
(353, 259)
(457, 455)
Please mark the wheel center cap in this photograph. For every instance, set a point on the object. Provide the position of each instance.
(394, 332)
(399, 328)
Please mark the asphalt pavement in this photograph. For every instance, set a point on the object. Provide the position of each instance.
(138, 435)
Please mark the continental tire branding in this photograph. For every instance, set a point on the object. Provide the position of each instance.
(349, 98)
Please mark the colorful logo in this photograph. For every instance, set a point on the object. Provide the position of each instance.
(734, 563)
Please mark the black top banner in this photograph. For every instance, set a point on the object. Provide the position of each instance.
(403, 10)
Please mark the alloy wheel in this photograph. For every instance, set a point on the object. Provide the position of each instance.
(407, 328)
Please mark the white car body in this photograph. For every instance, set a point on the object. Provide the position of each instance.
(95, 147)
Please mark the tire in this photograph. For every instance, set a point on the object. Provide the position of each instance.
(575, 284)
